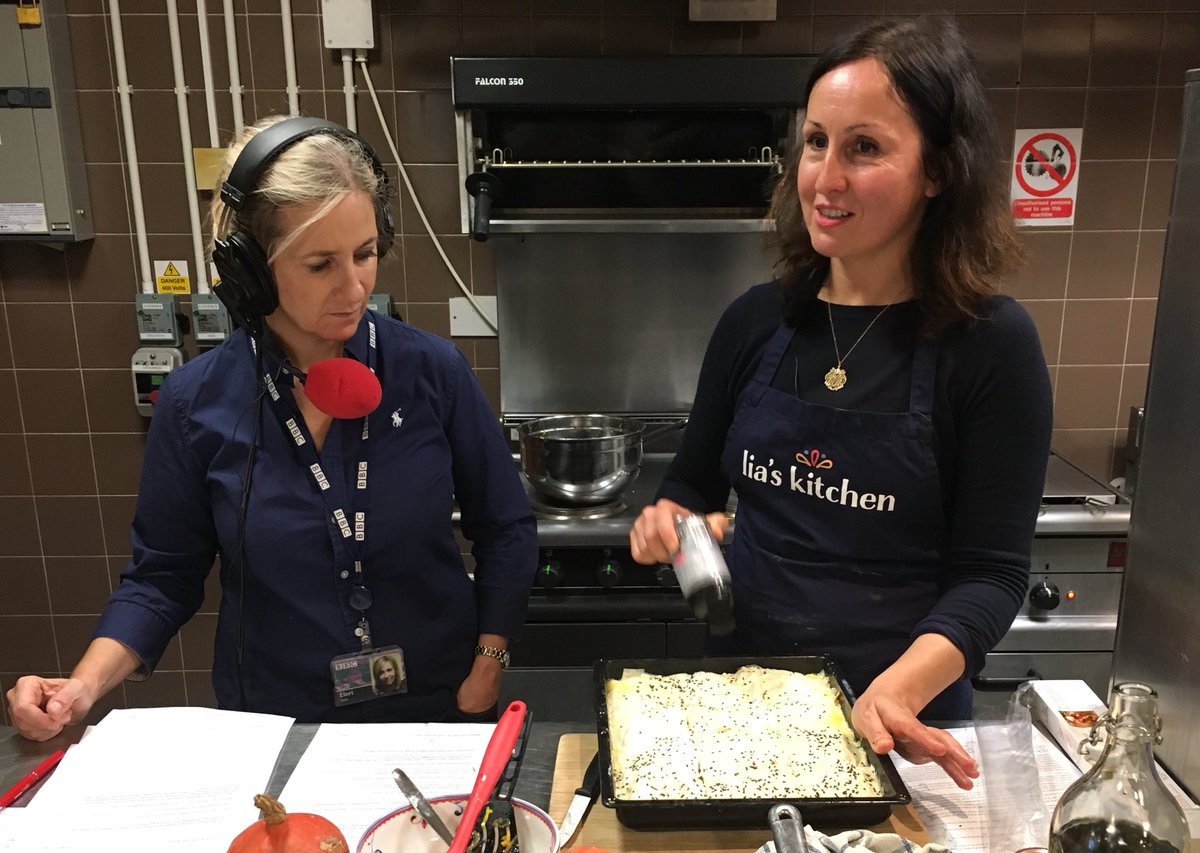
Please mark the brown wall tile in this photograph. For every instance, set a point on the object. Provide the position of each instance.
(23, 580)
(1133, 387)
(1044, 275)
(18, 527)
(1107, 196)
(1168, 116)
(427, 278)
(834, 21)
(101, 389)
(164, 185)
(1102, 264)
(1051, 108)
(70, 526)
(1141, 330)
(27, 644)
(78, 584)
(116, 513)
(41, 335)
(199, 690)
(437, 188)
(996, 43)
(103, 269)
(1180, 47)
(483, 269)
(6, 358)
(33, 273)
(430, 317)
(74, 634)
(424, 127)
(568, 35)
(784, 36)
(14, 462)
(1089, 449)
(118, 461)
(1094, 331)
(156, 132)
(52, 400)
(10, 406)
(1047, 314)
(1125, 49)
(625, 35)
(148, 51)
(1149, 264)
(164, 689)
(1055, 50)
(1087, 397)
(1160, 182)
(98, 123)
(61, 464)
(1118, 124)
(422, 45)
(90, 52)
(107, 334)
(108, 191)
(705, 37)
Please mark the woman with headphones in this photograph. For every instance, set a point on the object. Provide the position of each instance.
(334, 533)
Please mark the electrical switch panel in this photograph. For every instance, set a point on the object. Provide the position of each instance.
(212, 320)
(158, 323)
(347, 24)
(150, 367)
(43, 186)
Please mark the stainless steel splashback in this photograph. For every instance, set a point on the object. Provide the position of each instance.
(614, 323)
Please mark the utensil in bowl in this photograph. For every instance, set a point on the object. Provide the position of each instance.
(584, 459)
(787, 829)
(418, 801)
(495, 760)
(405, 831)
(498, 827)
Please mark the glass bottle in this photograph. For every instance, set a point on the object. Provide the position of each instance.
(1121, 805)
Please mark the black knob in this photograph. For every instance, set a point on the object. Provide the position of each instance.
(1044, 596)
(666, 576)
(549, 574)
(483, 186)
(608, 573)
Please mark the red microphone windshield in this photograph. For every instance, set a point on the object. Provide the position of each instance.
(343, 388)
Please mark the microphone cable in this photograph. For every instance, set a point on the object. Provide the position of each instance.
(239, 554)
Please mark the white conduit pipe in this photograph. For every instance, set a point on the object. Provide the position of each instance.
(348, 89)
(185, 135)
(135, 178)
(210, 94)
(289, 57)
(235, 74)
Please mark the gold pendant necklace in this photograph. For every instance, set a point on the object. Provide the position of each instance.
(835, 378)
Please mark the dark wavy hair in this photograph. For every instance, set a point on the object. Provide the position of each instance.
(967, 239)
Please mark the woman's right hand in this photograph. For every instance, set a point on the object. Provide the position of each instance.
(40, 707)
(652, 538)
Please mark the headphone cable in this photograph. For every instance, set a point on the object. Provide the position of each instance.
(239, 553)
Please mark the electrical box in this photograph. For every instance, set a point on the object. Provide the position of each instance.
(43, 186)
(212, 320)
(381, 303)
(150, 367)
(157, 321)
(347, 24)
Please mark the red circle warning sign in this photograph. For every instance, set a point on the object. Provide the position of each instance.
(1046, 164)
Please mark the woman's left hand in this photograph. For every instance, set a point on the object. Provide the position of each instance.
(886, 723)
(481, 689)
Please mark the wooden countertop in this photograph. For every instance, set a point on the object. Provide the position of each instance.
(601, 829)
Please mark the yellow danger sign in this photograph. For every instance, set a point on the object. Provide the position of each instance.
(172, 277)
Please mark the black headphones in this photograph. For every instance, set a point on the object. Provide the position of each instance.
(247, 288)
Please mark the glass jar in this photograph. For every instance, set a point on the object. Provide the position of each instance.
(1121, 805)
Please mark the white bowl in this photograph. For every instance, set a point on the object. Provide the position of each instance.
(405, 831)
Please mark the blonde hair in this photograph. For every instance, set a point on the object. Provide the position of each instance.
(323, 167)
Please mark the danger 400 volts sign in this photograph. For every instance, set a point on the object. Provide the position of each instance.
(1045, 176)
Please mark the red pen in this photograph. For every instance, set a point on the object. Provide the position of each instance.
(39, 772)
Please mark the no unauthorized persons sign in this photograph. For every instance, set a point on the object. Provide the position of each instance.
(1045, 176)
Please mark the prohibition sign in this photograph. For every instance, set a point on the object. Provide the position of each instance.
(1029, 149)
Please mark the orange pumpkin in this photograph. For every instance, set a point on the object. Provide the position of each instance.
(280, 832)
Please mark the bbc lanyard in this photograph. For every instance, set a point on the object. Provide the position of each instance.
(351, 526)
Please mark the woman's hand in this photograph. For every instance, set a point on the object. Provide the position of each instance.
(652, 538)
(40, 708)
(886, 713)
(481, 688)
(886, 724)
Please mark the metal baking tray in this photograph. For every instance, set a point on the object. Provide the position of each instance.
(831, 813)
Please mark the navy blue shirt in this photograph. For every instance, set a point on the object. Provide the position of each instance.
(433, 441)
(992, 420)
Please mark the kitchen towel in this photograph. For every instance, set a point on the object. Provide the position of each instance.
(859, 841)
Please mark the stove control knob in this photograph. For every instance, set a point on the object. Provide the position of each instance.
(608, 573)
(1044, 596)
(666, 575)
(549, 574)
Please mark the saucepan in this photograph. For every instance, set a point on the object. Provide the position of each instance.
(585, 459)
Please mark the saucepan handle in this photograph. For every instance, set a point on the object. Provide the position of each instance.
(787, 829)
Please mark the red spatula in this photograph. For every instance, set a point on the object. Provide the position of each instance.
(495, 759)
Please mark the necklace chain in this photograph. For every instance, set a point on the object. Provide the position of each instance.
(835, 379)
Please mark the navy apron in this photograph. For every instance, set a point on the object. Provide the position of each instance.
(840, 527)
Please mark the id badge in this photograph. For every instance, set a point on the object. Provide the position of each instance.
(368, 675)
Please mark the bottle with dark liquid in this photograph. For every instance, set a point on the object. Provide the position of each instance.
(1121, 805)
(702, 574)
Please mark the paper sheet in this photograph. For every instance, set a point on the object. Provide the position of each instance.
(957, 818)
(345, 774)
(172, 780)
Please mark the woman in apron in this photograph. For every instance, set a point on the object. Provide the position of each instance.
(881, 412)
